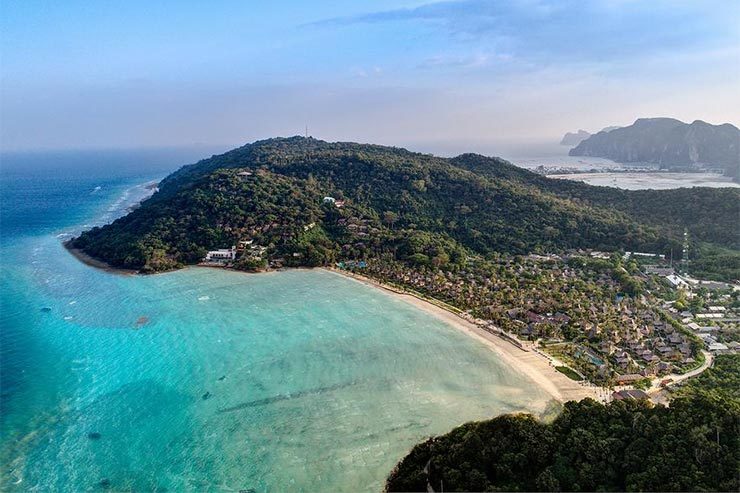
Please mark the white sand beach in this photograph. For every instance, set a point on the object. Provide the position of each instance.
(532, 364)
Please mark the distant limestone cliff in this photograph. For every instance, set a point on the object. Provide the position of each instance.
(669, 143)
(573, 139)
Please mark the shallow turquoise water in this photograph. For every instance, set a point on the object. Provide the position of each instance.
(208, 380)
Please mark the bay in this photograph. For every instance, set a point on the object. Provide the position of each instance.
(210, 380)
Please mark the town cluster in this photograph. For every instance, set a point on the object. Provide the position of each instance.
(574, 308)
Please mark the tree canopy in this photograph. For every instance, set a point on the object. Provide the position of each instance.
(623, 446)
(270, 190)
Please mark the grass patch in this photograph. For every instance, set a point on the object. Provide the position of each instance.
(570, 373)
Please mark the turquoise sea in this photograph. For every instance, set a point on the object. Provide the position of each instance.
(203, 379)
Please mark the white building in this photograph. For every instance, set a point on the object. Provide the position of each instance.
(643, 254)
(222, 255)
(709, 315)
(677, 281)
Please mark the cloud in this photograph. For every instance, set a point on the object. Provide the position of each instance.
(364, 73)
(448, 71)
(476, 61)
(569, 30)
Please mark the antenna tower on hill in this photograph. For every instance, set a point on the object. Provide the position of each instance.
(685, 252)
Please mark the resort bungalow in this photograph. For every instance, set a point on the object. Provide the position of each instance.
(622, 359)
(628, 378)
(336, 203)
(718, 347)
(244, 244)
(635, 395)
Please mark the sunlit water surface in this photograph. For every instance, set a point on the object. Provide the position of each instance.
(207, 380)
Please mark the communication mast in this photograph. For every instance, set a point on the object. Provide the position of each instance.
(685, 252)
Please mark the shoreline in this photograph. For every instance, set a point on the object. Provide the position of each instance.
(150, 186)
(524, 360)
(633, 180)
(93, 262)
(533, 365)
(521, 356)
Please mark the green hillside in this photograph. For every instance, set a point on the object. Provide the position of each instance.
(693, 445)
(271, 191)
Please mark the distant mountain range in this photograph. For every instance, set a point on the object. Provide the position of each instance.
(573, 139)
(669, 143)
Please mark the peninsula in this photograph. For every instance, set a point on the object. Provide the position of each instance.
(584, 289)
(545, 264)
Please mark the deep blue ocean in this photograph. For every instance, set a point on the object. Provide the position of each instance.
(202, 379)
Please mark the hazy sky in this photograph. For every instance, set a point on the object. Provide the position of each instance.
(438, 76)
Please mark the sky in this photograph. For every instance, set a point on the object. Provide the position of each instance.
(443, 77)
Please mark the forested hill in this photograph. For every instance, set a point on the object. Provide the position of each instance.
(693, 445)
(396, 201)
(710, 214)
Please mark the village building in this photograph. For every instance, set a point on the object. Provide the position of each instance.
(718, 347)
(677, 281)
(659, 270)
(709, 315)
